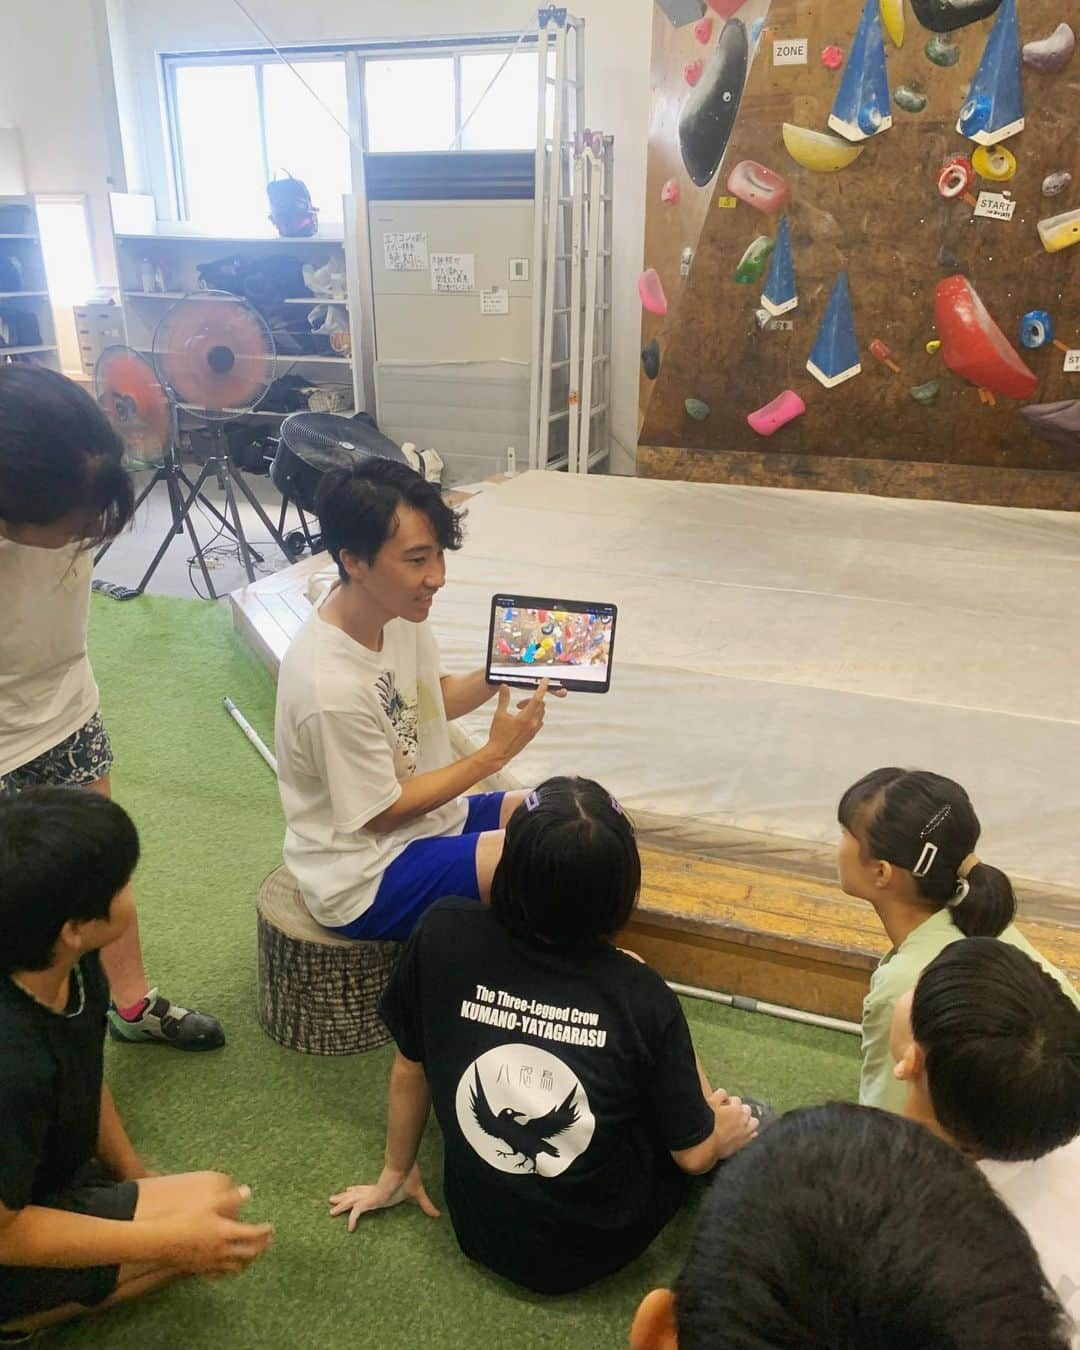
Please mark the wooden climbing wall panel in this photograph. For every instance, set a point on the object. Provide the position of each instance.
(883, 220)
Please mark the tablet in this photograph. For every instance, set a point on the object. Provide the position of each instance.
(569, 642)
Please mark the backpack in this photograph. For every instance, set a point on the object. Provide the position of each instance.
(290, 207)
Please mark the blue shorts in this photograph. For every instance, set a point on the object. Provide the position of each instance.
(424, 872)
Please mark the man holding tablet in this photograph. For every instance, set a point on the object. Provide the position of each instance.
(378, 826)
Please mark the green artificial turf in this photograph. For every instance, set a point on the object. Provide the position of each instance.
(296, 1127)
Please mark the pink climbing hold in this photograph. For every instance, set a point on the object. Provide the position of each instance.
(726, 8)
(651, 290)
(782, 410)
(703, 30)
(832, 57)
(758, 186)
(692, 72)
(670, 193)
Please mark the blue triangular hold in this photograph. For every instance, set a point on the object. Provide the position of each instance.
(780, 293)
(994, 110)
(835, 357)
(863, 106)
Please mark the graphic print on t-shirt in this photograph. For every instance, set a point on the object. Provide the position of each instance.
(404, 718)
(523, 1110)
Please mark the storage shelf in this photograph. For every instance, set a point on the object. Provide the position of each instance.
(24, 351)
(176, 233)
(177, 295)
(21, 295)
(18, 236)
(312, 300)
(284, 359)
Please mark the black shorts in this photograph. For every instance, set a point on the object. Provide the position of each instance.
(80, 759)
(25, 1290)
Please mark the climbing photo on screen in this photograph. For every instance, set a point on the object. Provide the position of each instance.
(569, 642)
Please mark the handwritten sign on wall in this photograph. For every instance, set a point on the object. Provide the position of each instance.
(405, 251)
(453, 272)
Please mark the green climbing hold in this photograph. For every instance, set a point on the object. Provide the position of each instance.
(910, 97)
(753, 262)
(926, 393)
(697, 410)
(942, 51)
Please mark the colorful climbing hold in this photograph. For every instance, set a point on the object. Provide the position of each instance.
(942, 51)
(1036, 329)
(692, 72)
(751, 266)
(933, 346)
(781, 293)
(955, 176)
(926, 393)
(973, 346)
(778, 413)
(726, 8)
(671, 193)
(880, 352)
(708, 116)
(1055, 183)
(1051, 54)
(994, 162)
(1058, 424)
(758, 186)
(832, 56)
(835, 357)
(994, 110)
(650, 360)
(944, 16)
(862, 107)
(697, 409)
(1058, 232)
(817, 150)
(703, 30)
(651, 291)
(947, 258)
(892, 20)
(910, 97)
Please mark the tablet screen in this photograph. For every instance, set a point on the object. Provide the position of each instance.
(569, 642)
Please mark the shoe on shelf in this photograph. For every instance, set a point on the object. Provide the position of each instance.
(169, 1024)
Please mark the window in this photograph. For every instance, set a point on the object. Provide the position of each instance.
(238, 120)
(65, 246)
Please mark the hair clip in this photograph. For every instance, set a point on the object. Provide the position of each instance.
(532, 801)
(938, 818)
(926, 860)
(963, 889)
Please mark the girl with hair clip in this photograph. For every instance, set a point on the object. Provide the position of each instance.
(569, 1098)
(907, 846)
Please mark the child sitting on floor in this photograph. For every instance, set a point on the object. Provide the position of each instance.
(850, 1229)
(989, 1048)
(908, 847)
(560, 1068)
(82, 1222)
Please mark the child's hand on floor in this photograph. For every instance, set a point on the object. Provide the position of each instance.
(735, 1123)
(390, 1189)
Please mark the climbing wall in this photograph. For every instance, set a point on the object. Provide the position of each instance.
(857, 229)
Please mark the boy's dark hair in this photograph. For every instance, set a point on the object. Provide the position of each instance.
(905, 816)
(59, 456)
(569, 872)
(356, 508)
(1002, 1046)
(65, 852)
(851, 1228)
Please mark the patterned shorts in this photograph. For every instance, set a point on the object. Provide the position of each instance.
(84, 757)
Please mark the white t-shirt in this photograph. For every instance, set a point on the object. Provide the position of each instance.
(1045, 1196)
(351, 726)
(47, 689)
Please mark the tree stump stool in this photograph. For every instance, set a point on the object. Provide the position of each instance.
(317, 993)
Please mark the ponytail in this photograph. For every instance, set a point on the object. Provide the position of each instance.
(989, 905)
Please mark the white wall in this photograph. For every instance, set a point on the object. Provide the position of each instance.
(618, 49)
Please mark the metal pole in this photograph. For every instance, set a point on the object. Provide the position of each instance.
(250, 732)
(744, 1004)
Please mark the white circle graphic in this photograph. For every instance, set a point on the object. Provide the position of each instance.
(524, 1111)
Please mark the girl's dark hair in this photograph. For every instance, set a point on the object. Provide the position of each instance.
(918, 820)
(1002, 1045)
(570, 871)
(356, 508)
(65, 852)
(59, 456)
(853, 1229)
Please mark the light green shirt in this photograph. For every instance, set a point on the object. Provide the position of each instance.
(897, 972)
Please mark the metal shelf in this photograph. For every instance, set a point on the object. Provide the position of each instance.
(22, 295)
(24, 351)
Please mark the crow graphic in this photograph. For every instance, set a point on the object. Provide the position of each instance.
(526, 1138)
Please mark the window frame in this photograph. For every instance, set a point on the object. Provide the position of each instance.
(355, 57)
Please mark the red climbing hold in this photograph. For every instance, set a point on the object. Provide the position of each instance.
(703, 30)
(726, 8)
(973, 346)
(692, 72)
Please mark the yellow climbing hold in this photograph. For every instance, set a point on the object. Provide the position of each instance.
(892, 17)
(934, 346)
(818, 150)
(994, 162)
